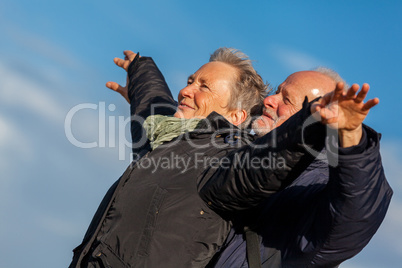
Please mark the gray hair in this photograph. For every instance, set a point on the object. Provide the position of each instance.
(332, 74)
(249, 90)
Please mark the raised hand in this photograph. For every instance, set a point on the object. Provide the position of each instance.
(346, 111)
(123, 63)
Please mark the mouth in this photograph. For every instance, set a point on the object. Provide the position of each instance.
(183, 106)
(268, 118)
(268, 115)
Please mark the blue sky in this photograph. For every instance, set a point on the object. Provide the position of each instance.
(55, 55)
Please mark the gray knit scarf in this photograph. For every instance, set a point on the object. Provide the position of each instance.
(161, 128)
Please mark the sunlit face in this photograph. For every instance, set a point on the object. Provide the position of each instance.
(207, 90)
(289, 98)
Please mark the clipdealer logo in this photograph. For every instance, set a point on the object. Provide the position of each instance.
(106, 135)
(109, 127)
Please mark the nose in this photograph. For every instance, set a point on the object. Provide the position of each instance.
(187, 92)
(271, 102)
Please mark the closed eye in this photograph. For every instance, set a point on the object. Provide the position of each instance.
(190, 80)
(204, 86)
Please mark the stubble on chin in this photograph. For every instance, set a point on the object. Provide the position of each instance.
(261, 127)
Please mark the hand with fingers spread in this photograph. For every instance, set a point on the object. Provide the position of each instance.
(129, 57)
(345, 111)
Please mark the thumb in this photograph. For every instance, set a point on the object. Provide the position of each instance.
(114, 86)
(315, 106)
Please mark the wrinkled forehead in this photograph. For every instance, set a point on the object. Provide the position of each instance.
(216, 74)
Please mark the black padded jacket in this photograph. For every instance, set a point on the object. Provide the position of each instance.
(153, 215)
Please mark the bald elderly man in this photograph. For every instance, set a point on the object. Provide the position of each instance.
(334, 207)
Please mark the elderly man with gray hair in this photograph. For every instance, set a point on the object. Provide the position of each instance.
(334, 207)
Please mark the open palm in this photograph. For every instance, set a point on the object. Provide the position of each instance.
(123, 63)
(345, 110)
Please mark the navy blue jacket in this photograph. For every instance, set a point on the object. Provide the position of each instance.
(327, 215)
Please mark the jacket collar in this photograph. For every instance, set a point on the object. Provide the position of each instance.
(219, 125)
(215, 122)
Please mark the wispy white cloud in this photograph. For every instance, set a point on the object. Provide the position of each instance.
(37, 101)
(6, 131)
(294, 60)
(391, 152)
(41, 46)
(12, 141)
(392, 225)
(20, 91)
(15, 149)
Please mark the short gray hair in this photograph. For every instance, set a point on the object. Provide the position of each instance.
(249, 90)
(332, 74)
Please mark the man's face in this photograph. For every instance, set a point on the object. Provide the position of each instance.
(207, 90)
(289, 98)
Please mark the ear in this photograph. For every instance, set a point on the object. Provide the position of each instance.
(238, 116)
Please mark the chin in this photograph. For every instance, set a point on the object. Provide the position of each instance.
(178, 115)
(261, 127)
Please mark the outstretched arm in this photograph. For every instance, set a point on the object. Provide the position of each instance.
(258, 170)
(358, 196)
(123, 63)
(242, 184)
(146, 91)
(145, 85)
(346, 111)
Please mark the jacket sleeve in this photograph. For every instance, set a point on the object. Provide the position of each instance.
(148, 94)
(249, 175)
(359, 196)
